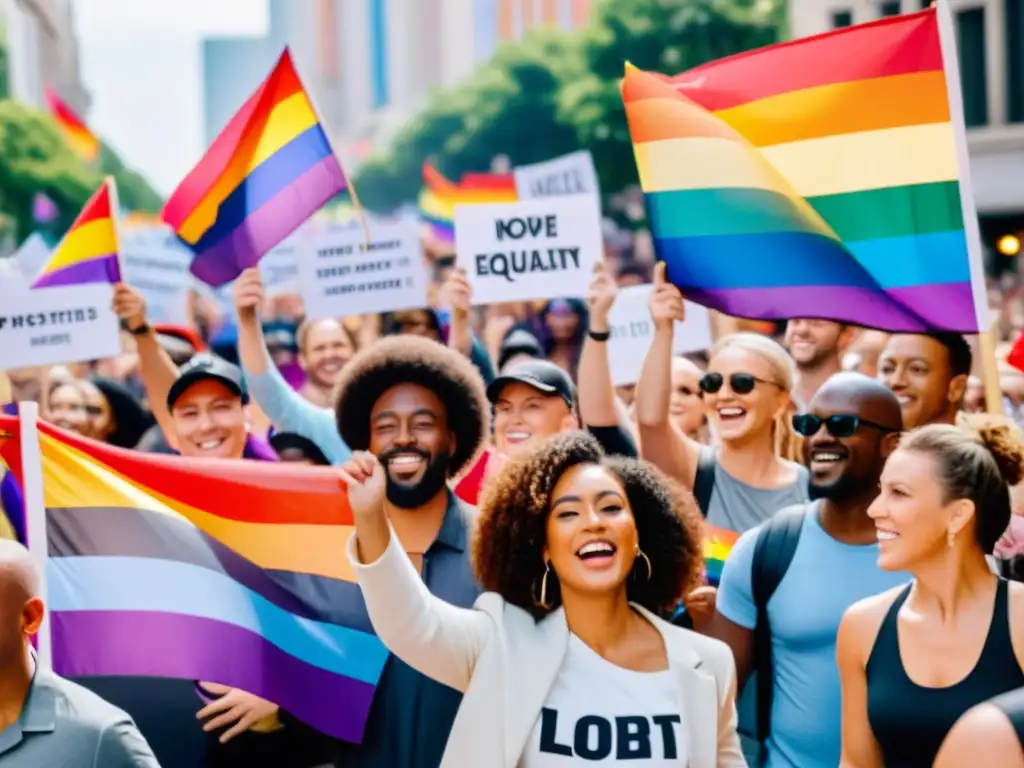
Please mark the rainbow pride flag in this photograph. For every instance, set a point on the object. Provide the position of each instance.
(718, 543)
(88, 252)
(77, 134)
(269, 170)
(816, 178)
(440, 196)
(229, 571)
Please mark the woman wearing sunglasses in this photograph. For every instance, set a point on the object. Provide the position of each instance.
(744, 479)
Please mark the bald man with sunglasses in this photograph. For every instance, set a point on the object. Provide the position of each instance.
(825, 559)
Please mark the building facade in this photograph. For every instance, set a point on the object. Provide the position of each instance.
(990, 37)
(42, 51)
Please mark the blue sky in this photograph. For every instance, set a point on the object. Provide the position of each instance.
(140, 59)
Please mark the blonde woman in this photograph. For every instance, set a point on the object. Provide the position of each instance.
(745, 478)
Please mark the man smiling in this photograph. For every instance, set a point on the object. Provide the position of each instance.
(532, 400)
(206, 403)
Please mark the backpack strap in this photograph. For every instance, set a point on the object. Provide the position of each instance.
(773, 552)
(704, 480)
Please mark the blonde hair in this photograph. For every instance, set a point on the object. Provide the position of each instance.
(787, 443)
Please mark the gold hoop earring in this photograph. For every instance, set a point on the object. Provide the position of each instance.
(542, 598)
(640, 555)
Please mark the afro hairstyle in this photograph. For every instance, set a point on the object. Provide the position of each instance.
(414, 360)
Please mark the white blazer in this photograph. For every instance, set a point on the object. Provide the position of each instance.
(505, 662)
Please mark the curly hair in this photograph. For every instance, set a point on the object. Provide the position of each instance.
(415, 360)
(512, 525)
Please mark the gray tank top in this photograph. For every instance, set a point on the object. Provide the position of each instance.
(736, 506)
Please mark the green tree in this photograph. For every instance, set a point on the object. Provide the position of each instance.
(552, 93)
(132, 188)
(658, 35)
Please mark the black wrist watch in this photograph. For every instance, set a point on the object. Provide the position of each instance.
(599, 335)
(142, 330)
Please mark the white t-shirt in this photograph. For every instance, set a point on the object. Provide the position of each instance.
(600, 714)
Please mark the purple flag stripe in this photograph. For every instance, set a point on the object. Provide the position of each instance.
(102, 269)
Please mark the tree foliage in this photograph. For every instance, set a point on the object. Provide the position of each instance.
(552, 93)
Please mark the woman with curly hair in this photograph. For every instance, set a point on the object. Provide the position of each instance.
(564, 657)
(913, 659)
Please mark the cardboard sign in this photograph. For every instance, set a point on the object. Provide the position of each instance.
(156, 264)
(342, 276)
(571, 174)
(52, 326)
(535, 249)
(32, 256)
(632, 332)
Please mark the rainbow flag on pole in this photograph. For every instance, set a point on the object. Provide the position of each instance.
(268, 171)
(89, 251)
(824, 177)
(230, 571)
(440, 196)
(77, 134)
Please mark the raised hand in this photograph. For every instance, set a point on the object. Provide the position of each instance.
(666, 301)
(248, 292)
(365, 484)
(129, 306)
(600, 297)
(457, 293)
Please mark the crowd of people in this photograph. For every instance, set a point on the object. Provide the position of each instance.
(530, 539)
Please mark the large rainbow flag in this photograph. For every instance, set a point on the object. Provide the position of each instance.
(816, 178)
(269, 170)
(718, 543)
(88, 252)
(77, 134)
(439, 197)
(228, 571)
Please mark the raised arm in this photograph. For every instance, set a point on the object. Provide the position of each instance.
(661, 443)
(436, 638)
(156, 367)
(596, 390)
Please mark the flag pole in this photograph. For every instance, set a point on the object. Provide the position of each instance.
(35, 517)
(349, 184)
(115, 217)
(972, 230)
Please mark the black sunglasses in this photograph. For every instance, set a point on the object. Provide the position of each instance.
(740, 383)
(837, 425)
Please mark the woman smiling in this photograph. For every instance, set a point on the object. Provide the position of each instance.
(564, 657)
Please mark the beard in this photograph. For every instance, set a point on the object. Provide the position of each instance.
(414, 496)
(840, 488)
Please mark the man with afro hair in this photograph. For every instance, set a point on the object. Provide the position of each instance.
(421, 409)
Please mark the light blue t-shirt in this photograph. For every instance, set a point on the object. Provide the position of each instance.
(824, 579)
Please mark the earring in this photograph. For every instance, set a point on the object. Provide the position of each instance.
(542, 599)
(950, 538)
(641, 556)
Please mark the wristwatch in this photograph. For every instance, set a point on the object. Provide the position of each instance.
(142, 330)
(599, 335)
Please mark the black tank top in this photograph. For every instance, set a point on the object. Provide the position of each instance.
(1012, 705)
(910, 721)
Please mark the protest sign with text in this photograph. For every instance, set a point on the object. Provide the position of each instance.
(632, 331)
(341, 275)
(156, 263)
(571, 174)
(534, 249)
(51, 326)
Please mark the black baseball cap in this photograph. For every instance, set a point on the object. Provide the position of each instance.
(541, 375)
(207, 366)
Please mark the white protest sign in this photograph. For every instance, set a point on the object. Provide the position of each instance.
(156, 264)
(51, 326)
(632, 331)
(534, 249)
(342, 276)
(571, 174)
(32, 256)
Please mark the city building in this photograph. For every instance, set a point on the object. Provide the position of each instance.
(990, 36)
(42, 51)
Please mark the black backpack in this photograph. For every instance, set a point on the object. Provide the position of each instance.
(773, 552)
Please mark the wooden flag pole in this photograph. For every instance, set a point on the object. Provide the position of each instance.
(972, 231)
(115, 217)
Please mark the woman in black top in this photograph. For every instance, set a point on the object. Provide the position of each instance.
(990, 735)
(914, 659)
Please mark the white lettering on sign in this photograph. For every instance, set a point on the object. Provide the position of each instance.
(535, 249)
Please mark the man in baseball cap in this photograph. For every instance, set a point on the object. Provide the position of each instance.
(532, 400)
(207, 407)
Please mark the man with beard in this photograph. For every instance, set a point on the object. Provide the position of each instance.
(928, 373)
(817, 348)
(851, 426)
(420, 408)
